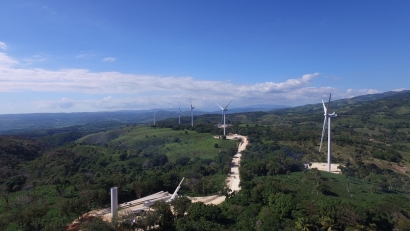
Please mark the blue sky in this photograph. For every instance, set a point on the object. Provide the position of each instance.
(70, 56)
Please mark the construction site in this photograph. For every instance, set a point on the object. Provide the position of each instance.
(144, 204)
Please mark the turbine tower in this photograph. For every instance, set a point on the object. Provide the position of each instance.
(192, 115)
(154, 116)
(327, 121)
(224, 109)
(179, 114)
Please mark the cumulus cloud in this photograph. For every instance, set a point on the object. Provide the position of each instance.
(352, 92)
(3, 46)
(6, 62)
(147, 91)
(85, 81)
(109, 59)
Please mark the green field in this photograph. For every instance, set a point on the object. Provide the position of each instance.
(173, 143)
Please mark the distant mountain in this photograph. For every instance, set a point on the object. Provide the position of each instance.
(342, 103)
(20, 123)
(58, 120)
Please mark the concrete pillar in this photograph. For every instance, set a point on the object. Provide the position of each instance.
(114, 200)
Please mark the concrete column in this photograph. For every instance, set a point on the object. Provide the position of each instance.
(114, 200)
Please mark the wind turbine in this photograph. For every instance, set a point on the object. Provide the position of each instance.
(154, 116)
(192, 114)
(327, 121)
(224, 109)
(179, 114)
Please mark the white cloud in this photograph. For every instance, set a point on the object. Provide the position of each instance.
(85, 55)
(34, 59)
(84, 81)
(3, 46)
(401, 89)
(352, 92)
(109, 59)
(6, 62)
(147, 91)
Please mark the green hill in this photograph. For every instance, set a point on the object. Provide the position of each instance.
(70, 180)
(48, 182)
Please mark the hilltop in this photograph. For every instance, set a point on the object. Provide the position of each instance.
(58, 174)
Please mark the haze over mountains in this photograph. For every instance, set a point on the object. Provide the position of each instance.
(15, 123)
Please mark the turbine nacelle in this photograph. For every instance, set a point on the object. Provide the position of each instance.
(333, 114)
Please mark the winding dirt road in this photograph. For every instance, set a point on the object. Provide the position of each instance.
(233, 180)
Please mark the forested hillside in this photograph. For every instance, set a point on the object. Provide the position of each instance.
(52, 178)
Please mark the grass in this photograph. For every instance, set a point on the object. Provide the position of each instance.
(173, 143)
(360, 190)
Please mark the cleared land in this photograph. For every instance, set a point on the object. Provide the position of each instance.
(323, 167)
(146, 133)
(233, 180)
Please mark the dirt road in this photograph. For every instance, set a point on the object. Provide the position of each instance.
(232, 181)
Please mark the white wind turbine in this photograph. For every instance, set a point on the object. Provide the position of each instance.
(192, 114)
(327, 121)
(154, 116)
(224, 109)
(179, 114)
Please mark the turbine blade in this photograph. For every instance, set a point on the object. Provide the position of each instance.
(227, 105)
(323, 132)
(324, 107)
(328, 104)
(220, 106)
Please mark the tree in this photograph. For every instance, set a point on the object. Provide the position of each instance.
(146, 220)
(165, 215)
(5, 194)
(327, 223)
(180, 206)
(124, 221)
(140, 187)
(61, 185)
(303, 224)
(77, 206)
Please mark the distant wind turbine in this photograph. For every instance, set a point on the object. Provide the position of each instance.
(192, 114)
(179, 114)
(154, 116)
(224, 109)
(327, 121)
